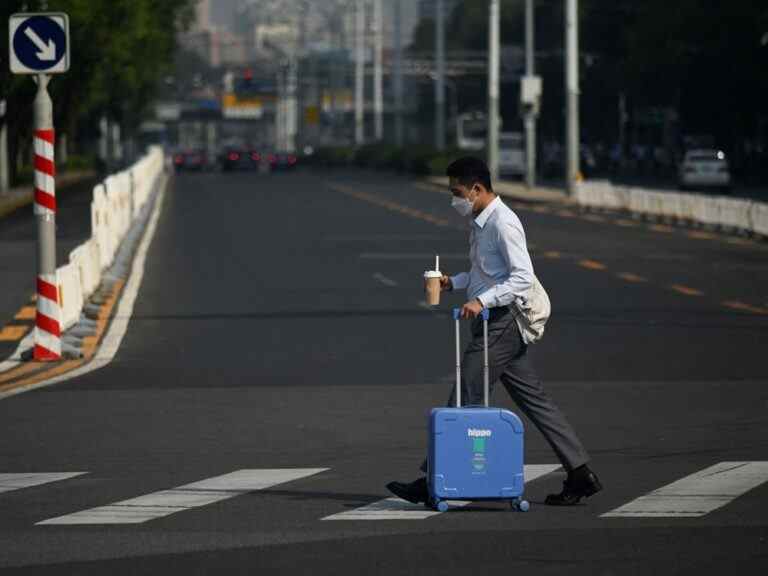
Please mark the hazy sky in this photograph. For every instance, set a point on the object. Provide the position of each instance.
(222, 12)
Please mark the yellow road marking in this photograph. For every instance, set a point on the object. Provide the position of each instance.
(687, 290)
(593, 218)
(26, 313)
(22, 369)
(541, 209)
(591, 265)
(553, 254)
(742, 307)
(389, 205)
(565, 214)
(12, 333)
(701, 235)
(38, 369)
(629, 277)
(739, 241)
(626, 223)
(661, 228)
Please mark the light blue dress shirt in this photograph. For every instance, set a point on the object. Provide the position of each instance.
(502, 270)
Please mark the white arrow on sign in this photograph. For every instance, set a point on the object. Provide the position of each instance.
(47, 52)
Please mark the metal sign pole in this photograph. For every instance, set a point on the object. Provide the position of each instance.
(47, 321)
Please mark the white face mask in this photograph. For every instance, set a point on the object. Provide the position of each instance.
(462, 205)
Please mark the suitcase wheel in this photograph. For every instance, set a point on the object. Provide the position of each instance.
(520, 505)
(441, 505)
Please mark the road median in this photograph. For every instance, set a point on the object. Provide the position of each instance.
(92, 282)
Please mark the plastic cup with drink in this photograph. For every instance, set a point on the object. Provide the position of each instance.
(432, 283)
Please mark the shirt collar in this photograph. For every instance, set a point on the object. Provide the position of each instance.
(482, 218)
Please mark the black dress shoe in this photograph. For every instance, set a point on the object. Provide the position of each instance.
(415, 492)
(581, 483)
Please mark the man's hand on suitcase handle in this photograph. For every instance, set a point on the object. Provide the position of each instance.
(472, 309)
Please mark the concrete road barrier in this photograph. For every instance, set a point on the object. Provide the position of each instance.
(117, 203)
(714, 211)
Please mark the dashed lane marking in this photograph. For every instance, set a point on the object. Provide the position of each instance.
(397, 509)
(686, 290)
(701, 235)
(551, 255)
(390, 205)
(588, 264)
(12, 333)
(379, 277)
(187, 497)
(698, 494)
(629, 277)
(742, 307)
(17, 481)
(592, 265)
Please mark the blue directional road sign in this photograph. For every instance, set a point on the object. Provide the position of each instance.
(39, 43)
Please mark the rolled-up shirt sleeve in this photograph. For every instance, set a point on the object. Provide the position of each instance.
(460, 281)
(512, 246)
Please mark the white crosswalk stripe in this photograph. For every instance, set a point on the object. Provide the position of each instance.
(167, 502)
(697, 494)
(17, 481)
(397, 509)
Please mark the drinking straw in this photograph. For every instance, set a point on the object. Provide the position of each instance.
(437, 262)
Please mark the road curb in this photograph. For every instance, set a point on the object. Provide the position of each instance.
(22, 376)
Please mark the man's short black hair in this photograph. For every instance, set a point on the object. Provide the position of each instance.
(469, 171)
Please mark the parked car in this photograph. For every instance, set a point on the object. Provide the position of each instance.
(239, 158)
(511, 154)
(704, 168)
(194, 159)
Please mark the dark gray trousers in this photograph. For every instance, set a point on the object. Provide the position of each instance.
(509, 361)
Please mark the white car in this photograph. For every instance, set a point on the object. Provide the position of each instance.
(511, 154)
(704, 169)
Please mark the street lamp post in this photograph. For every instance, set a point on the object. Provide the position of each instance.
(359, 72)
(493, 89)
(572, 174)
(439, 75)
(398, 73)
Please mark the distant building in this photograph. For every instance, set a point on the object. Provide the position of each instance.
(427, 8)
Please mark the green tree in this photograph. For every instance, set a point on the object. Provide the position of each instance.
(120, 50)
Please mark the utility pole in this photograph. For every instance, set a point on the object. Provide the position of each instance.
(4, 160)
(398, 79)
(530, 111)
(493, 89)
(439, 75)
(291, 120)
(359, 72)
(378, 75)
(572, 174)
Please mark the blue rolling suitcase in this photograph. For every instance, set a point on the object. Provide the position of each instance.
(475, 453)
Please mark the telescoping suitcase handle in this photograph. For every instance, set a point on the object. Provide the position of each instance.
(485, 314)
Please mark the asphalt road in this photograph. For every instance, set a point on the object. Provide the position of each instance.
(279, 326)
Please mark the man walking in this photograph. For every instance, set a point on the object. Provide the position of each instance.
(500, 280)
